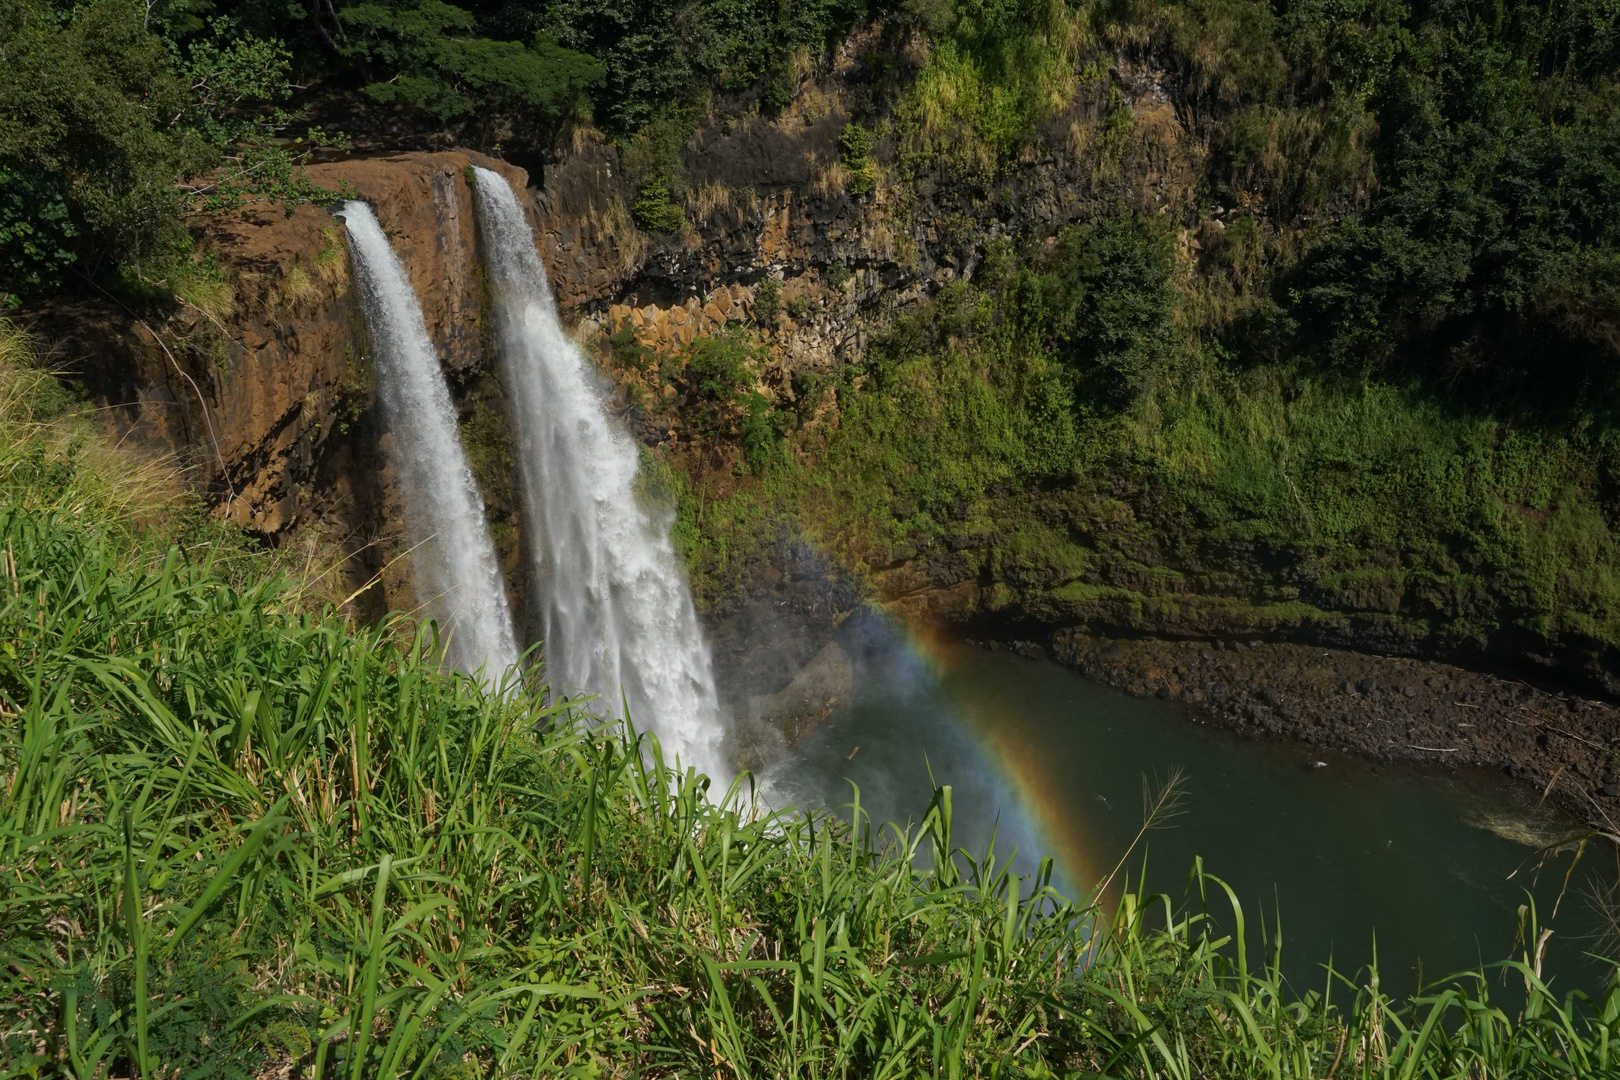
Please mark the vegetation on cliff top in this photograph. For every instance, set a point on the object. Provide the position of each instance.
(1421, 188)
(242, 837)
(117, 117)
(1428, 186)
(116, 121)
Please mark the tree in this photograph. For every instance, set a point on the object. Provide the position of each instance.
(92, 140)
(1110, 304)
(1489, 256)
(428, 55)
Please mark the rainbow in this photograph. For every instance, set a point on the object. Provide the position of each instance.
(1042, 795)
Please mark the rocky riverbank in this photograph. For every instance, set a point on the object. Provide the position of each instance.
(1386, 708)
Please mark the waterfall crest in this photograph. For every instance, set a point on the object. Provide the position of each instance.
(458, 581)
(618, 617)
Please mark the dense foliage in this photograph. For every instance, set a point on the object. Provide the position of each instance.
(1429, 187)
(1490, 255)
(92, 140)
(433, 63)
(116, 117)
(1433, 184)
(111, 131)
(1109, 303)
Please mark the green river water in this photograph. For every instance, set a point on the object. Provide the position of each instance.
(1428, 866)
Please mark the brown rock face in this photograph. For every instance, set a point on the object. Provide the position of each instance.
(260, 382)
(426, 207)
(224, 382)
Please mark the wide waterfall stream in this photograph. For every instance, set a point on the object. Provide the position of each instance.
(1349, 854)
(458, 581)
(618, 619)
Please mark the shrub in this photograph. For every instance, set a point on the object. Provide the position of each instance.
(1110, 303)
(627, 349)
(760, 432)
(435, 61)
(855, 152)
(664, 54)
(654, 210)
(718, 369)
(36, 234)
(111, 131)
(93, 130)
(1004, 67)
(767, 303)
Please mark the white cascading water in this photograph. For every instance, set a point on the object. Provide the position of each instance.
(458, 580)
(618, 618)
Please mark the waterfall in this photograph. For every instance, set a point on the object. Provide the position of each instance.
(458, 581)
(618, 618)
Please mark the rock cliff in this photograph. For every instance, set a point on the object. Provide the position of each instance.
(267, 395)
(261, 386)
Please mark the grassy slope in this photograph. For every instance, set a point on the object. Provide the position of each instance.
(1259, 501)
(237, 835)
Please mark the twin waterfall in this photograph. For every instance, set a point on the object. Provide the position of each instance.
(618, 620)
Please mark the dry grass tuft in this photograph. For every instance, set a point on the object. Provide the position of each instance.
(827, 178)
(703, 201)
(332, 263)
(300, 286)
(617, 225)
(54, 457)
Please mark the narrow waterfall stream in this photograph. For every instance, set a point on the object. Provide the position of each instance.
(458, 581)
(618, 617)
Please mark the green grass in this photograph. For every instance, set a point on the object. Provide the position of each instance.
(916, 433)
(1466, 516)
(51, 456)
(994, 72)
(236, 839)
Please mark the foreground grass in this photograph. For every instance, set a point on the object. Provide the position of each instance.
(235, 840)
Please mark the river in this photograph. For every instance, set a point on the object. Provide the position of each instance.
(1427, 866)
